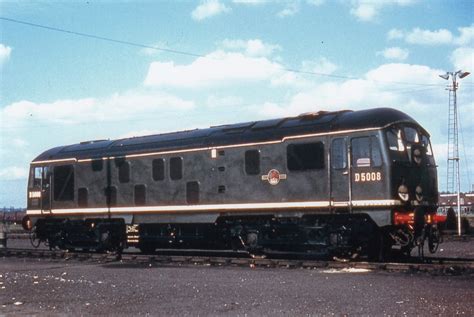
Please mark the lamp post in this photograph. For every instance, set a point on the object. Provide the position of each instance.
(454, 156)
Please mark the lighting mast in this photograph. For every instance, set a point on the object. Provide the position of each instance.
(453, 139)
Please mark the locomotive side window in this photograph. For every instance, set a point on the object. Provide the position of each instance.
(305, 156)
(426, 144)
(425, 141)
(63, 183)
(124, 172)
(338, 154)
(366, 152)
(97, 165)
(176, 168)
(252, 162)
(140, 195)
(192, 192)
(375, 151)
(411, 135)
(158, 169)
(37, 176)
(395, 141)
(396, 145)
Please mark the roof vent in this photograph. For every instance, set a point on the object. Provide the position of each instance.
(312, 115)
(93, 141)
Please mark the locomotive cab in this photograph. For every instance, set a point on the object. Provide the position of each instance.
(39, 186)
(413, 178)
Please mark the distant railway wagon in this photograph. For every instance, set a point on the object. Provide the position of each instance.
(9, 217)
(347, 181)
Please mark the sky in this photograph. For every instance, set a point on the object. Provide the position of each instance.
(84, 70)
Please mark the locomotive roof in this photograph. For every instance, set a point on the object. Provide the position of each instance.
(257, 131)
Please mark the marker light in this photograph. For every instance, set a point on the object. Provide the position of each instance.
(403, 193)
(403, 218)
(419, 193)
(26, 223)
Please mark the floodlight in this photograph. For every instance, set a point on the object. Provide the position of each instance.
(463, 74)
(445, 76)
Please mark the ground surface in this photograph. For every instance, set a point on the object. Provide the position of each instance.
(45, 287)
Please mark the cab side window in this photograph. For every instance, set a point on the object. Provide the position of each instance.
(338, 154)
(366, 152)
(305, 156)
(63, 183)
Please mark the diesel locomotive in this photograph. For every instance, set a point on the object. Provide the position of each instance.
(345, 182)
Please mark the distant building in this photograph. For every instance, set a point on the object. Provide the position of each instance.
(447, 201)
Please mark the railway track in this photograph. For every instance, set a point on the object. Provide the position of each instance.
(451, 266)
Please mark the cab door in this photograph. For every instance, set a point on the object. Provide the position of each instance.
(340, 174)
(39, 193)
(367, 177)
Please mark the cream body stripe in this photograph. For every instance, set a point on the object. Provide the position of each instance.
(219, 208)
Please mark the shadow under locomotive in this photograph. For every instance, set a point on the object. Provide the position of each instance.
(347, 183)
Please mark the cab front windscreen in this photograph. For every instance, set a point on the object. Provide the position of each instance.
(402, 139)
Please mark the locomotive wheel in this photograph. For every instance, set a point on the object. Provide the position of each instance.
(252, 240)
(35, 242)
(434, 239)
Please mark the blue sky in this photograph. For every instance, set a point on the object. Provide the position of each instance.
(59, 88)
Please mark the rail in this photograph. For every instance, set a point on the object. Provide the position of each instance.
(450, 266)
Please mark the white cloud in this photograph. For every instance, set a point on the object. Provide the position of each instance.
(321, 65)
(214, 101)
(209, 8)
(5, 52)
(364, 12)
(463, 58)
(13, 173)
(427, 37)
(291, 8)
(395, 34)
(367, 10)
(406, 73)
(376, 90)
(250, 2)
(395, 53)
(254, 47)
(115, 107)
(218, 68)
(315, 2)
(18, 143)
(434, 37)
(466, 35)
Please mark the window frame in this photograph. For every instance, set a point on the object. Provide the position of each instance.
(252, 162)
(124, 171)
(293, 157)
(65, 192)
(344, 154)
(158, 175)
(372, 140)
(176, 175)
